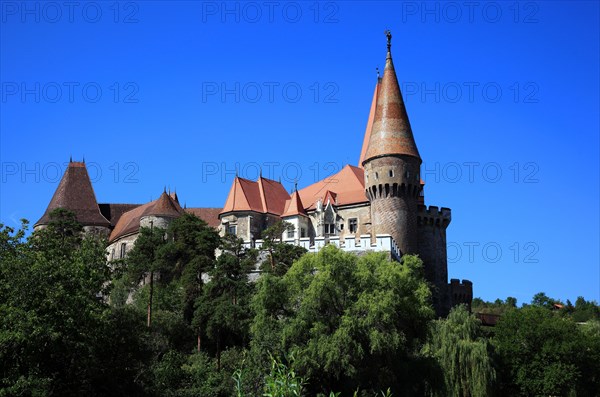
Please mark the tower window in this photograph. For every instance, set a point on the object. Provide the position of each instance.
(232, 229)
(353, 225)
(123, 250)
(290, 232)
(377, 175)
(302, 232)
(391, 173)
(329, 228)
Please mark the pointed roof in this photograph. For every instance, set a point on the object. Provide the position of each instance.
(330, 197)
(369, 127)
(75, 193)
(294, 206)
(129, 222)
(264, 196)
(391, 133)
(165, 205)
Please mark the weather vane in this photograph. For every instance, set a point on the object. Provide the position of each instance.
(388, 34)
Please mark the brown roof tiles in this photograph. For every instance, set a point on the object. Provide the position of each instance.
(75, 193)
(391, 132)
(129, 222)
(208, 215)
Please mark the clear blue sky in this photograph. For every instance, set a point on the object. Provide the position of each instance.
(503, 98)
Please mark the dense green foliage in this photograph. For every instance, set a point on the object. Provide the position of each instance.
(349, 321)
(463, 353)
(173, 319)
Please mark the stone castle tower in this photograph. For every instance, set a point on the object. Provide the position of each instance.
(393, 186)
(392, 164)
(377, 205)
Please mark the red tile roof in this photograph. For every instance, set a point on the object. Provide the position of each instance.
(367, 137)
(75, 193)
(294, 206)
(208, 215)
(264, 196)
(348, 186)
(129, 222)
(391, 132)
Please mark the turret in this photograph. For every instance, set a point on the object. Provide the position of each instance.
(392, 163)
(75, 193)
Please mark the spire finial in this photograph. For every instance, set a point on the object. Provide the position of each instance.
(388, 34)
(260, 172)
(164, 188)
(70, 159)
(83, 159)
(296, 185)
(377, 69)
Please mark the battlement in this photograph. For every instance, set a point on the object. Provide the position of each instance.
(434, 216)
(461, 292)
(381, 243)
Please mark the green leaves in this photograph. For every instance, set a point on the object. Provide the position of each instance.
(344, 317)
(543, 353)
(463, 354)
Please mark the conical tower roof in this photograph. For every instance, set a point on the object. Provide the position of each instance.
(165, 206)
(391, 133)
(75, 193)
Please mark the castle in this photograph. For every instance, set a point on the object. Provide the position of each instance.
(378, 205)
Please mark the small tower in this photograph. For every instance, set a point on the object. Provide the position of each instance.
(75, 193)
(392, 163)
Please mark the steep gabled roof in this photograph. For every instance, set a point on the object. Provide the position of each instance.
(75, 193)
(274, 196)
(294, 206)
(264, 196)
(330, 197)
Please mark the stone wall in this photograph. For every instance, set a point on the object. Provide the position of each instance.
(432, 223)
(392, 186)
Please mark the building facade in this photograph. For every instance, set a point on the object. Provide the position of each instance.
(376, 205)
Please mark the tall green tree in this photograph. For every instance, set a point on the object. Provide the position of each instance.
(349, 321)
(190, 253)
(280, 255)
(463, 354)
(222, 309)
(55, 325)
(144, 263)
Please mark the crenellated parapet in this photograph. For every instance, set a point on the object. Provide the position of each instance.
(461, 292)
(434, 216)
(363, 243)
